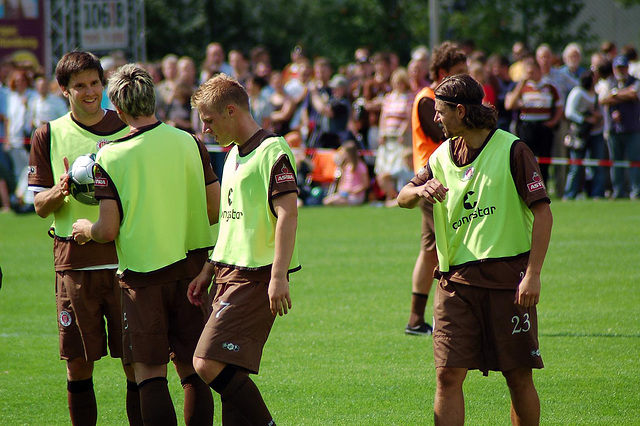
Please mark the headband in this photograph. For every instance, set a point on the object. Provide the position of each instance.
(457, 101)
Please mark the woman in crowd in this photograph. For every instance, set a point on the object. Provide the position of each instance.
(394, 134)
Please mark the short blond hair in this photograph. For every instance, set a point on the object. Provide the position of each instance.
(132, 91)
(219, 91)
(400, 76)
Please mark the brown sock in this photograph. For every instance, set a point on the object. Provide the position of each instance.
(418, 306)
(133, 404)
(238, 391)
(233, 416)
(155, 403)
(82, 402)
(198, 402)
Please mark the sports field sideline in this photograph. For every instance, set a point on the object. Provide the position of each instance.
(341, 357)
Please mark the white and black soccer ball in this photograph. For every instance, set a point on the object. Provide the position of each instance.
(81, 184)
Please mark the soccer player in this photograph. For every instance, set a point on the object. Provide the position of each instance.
(87, 291)
(493, 224)
(158, 196)
(254, 254)
(448, 59)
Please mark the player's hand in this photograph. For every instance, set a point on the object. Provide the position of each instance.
(82, 231)
(279, 297)
(63, 183)
(198, 289)
(528, 292)
(433, 191)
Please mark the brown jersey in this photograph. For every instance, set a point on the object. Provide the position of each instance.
(501, 273)
(375, 89)
(68, 254)
(188, 267)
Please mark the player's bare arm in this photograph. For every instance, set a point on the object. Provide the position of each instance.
(104, 230)
(47, 202)
(528, 293)
(213, 202)
(433, 191)
(286, 209)
(198, 288)
(409, 197)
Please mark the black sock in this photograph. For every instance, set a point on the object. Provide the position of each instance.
(82, 402)
(198, 401)
(133, 404)
(239, 393)
(418, 306)
(155, 403)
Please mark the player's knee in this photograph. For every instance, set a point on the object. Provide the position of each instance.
(518, 378)
(450, 378)
(207, 369)
(184, 369)
(199, 365)
(79, 369)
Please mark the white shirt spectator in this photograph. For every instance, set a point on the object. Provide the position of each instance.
(46, 109)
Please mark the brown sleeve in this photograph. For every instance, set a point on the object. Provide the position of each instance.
(424, 174)
(40, 171)
(209, 175)
(426, 113)
(526, 174)
(283, 179)
(104, 186)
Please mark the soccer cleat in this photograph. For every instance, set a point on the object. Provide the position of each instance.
(423, 329)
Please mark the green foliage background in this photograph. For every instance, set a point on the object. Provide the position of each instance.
(335, 28)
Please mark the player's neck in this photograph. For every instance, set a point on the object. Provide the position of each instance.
(88, 119)
(139, 122)
(246, 131)
(474, 138)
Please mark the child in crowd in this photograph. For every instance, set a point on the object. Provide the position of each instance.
(354, 177)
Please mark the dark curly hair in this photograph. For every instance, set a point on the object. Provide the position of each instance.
(444, 57)
(464, 90)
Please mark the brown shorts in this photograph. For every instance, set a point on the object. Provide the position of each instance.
(160, 323)
(428, 239)
(239, 325)
(480, 328)
(85, 299)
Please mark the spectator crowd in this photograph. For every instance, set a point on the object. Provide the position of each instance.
(561, 104)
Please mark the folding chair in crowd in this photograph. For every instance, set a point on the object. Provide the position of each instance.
(324, 171)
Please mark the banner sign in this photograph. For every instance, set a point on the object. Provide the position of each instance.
(22, 31)
(104, 24)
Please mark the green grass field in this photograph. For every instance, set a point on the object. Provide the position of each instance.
(340, 357)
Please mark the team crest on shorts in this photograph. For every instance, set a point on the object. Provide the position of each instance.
(65, 318)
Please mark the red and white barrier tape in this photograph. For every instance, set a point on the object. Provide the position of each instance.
(589, 162)
(542, 160)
